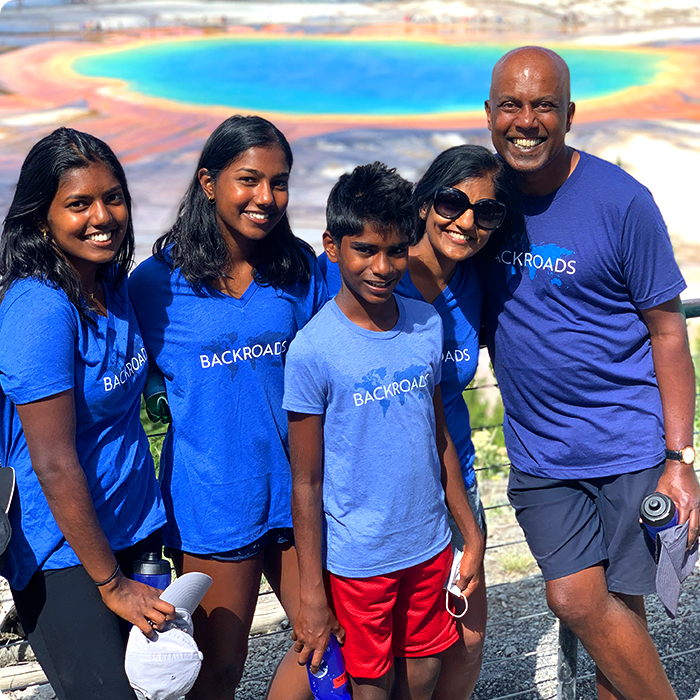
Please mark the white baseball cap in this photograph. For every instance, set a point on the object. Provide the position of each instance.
(166, 666)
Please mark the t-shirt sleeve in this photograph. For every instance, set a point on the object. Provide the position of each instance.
(304, 379)
(37, 345)
(320, 289)
(649, 266)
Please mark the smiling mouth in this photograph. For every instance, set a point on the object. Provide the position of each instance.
(262, 217)
(379, 285)
(527, 144)
(101, 237)
(461, 237)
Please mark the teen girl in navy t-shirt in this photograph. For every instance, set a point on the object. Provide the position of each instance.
(72, 369)
(219, 302)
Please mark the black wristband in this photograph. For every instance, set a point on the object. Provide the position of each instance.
(114, 575)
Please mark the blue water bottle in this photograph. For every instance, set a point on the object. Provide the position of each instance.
(658, 512)
(153, 571)
(330, 682)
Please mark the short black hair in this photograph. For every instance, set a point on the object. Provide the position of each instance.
(371, 194)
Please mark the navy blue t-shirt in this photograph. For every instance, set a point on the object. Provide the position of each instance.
(45, 349)
(224, 466)
(569, 347)
(459, 306)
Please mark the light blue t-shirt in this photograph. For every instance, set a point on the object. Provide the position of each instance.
(569, 346)
(45, 349)
(383, 500)
(459, 306)
(225, 462)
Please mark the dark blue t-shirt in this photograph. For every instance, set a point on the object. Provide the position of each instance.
(569, 347)
(459, 306)
(224, 466)
(45, 349)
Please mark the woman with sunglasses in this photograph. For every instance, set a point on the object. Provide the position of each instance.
(463, 198)
(463, 203)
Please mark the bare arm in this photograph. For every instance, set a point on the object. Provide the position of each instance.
(458, 503)
(676, 378)
(49, 428)
(315, 621)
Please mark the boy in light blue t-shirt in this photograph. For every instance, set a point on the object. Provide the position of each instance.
(372, 461)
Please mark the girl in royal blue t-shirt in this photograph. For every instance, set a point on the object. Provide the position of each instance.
(72, 369)
(218, 303)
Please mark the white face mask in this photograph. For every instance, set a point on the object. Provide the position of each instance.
(451, 585)
(447, 604)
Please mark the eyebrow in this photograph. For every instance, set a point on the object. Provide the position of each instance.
(260, 173)
(79, 195)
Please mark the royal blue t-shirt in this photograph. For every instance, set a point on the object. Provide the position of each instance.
(383, 500)
(459, 306)
(569, 347)
(45, 349)
(225, 464)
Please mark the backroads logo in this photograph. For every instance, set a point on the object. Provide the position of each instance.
(546, 259)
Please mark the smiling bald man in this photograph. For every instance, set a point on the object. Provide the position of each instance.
(588, 342)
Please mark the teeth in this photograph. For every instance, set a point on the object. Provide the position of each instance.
(381, 285)
(463, 238)
(527, 143)
(100, 237)
(258, 216)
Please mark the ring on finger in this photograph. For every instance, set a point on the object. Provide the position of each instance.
(151, 623)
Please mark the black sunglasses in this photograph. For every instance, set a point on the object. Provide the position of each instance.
(451, 203)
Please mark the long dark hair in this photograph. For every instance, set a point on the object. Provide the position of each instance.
(24, 250)
(195, 243)
(467, 162)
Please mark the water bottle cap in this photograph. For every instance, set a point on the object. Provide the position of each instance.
(151, 564)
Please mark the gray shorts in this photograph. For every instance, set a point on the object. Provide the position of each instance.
(474, 498)
(571, 525)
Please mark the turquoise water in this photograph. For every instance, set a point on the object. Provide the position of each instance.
(327, 76)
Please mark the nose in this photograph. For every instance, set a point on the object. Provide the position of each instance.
(466, 221)
(263, 194)
(527, 117)
(381, 265)
(101, 214)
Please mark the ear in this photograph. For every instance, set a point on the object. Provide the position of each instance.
(206, 182)
(330, 247)
(487, 107)
(40, 223)
(423, 211)
(570, 115)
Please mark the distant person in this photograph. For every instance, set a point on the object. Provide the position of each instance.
(588, 341)
(372, 460)
(219, 302)
(72, 368)
(461, 204)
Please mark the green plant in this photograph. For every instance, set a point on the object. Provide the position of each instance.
(486, 418)
(155, 433)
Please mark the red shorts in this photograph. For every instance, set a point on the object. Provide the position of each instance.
(397, 614)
